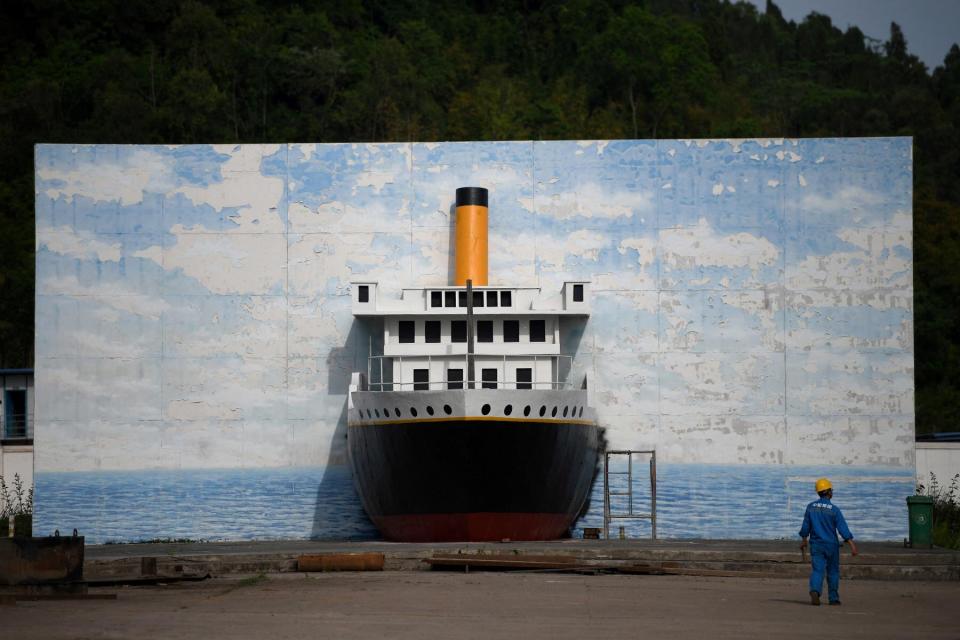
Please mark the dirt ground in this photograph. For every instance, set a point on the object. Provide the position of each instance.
(492, 605)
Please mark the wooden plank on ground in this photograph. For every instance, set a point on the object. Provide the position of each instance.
(340, 562)
(570, 564)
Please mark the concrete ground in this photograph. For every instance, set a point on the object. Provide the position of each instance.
(882, 560)
(574, 546)
(492, 605)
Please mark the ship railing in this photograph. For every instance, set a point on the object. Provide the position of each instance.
(379, 366)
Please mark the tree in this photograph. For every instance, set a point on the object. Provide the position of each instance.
(174, 71)
(658, 65)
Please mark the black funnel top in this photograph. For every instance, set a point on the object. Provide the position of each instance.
(471, 195)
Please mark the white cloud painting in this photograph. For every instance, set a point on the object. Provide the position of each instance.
(752, 305)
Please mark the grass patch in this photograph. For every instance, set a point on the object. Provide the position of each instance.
(157, 541)
(249, 581)
(253, 581)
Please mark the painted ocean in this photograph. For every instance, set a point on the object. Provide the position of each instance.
(693, 501)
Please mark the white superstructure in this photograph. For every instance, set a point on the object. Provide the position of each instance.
(425, 336)
(424, 371)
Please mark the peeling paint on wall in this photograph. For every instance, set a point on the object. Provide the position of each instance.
(753, 299)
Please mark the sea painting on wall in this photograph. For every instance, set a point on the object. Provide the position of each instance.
(752, 321)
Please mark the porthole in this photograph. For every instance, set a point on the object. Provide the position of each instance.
(526, 410)
(581, 412)
(397, 411)
(566, 410)
(377, 412)
(543, 410)
(485, 409)
(553, 414)
(369, 415)
(386, 412)
(429, 410)
(413, 411)
(447, 410)
(507, 410)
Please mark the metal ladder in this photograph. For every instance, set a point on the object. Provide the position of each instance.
(608, 515)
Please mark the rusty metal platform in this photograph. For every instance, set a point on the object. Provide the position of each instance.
(41, 561)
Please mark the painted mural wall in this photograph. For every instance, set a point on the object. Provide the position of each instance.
(752, 321)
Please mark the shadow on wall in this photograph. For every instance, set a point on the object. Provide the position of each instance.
(338, 513)
(452, 243)
(572, 331)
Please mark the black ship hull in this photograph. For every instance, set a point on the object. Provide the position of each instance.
(473, 479)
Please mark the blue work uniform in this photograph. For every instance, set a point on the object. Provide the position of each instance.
(822, 521)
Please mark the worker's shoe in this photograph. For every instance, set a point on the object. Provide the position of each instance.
(835, 603)
(815, 598)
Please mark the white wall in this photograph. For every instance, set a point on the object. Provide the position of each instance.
(751, 304)
(17, 459)
(755, 294)
(942, 459)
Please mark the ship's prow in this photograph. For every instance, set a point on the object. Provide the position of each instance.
(471, 425)
(472, 465)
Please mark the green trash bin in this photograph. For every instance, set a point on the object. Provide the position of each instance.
(920, 509)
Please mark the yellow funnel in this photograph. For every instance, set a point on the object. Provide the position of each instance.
(471, 236)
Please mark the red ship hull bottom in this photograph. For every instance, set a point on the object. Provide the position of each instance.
(464, 481)
(473, 527)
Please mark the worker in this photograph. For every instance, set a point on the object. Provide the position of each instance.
(822, 521)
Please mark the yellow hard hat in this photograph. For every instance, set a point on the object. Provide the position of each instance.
(823, 484)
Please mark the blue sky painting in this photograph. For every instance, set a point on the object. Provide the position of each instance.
(752, 300)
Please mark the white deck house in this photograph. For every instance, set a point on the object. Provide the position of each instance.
(425, 337)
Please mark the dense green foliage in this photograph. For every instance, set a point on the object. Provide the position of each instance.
(946, 511)
(181, 71)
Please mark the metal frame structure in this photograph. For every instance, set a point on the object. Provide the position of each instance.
(608, 515)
